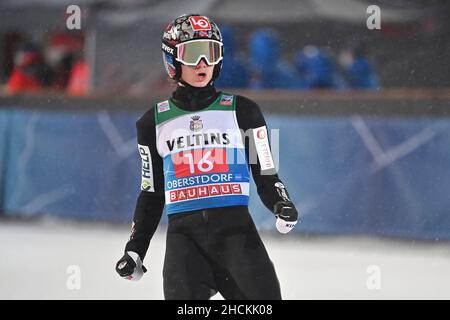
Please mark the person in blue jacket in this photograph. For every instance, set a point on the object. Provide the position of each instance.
(269, 70)
(360, 71)
(318, 69)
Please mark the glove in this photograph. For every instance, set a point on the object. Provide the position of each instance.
(287, 216)
(130, 266)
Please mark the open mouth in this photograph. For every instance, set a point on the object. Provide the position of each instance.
(201, 75)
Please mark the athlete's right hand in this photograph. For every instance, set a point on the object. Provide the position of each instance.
(130, 267)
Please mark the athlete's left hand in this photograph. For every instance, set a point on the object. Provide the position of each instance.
(130, 266)
(287, 216)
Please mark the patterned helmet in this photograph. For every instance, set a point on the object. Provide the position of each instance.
(186, 28)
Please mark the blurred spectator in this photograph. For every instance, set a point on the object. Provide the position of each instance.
(359, 71)
(30, 73)
(318, 69)
(234, 73)
(10, 42)
(60, 53)
(268, 69)
(79, 79)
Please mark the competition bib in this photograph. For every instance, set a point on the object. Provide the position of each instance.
(203, 156)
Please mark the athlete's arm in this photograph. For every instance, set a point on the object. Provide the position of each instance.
(271, 189)
(150, 202)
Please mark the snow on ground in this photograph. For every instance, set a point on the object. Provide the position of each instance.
(36, 258)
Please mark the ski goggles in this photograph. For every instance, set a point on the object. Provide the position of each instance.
(190, 53)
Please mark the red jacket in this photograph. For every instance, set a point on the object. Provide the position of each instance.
(19, 81)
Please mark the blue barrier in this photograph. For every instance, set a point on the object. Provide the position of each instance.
(347, 175)
(4, 129)
(385, 176)
(79, 165)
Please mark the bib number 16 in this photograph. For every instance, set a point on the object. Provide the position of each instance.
(203, 165)
(199, 161)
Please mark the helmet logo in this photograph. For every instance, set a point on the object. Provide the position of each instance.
(167, 48)
(200, 23)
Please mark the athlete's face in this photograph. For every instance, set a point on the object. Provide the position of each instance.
(197, 76)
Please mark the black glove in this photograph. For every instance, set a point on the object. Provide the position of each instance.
(130, 266)
(287, 216)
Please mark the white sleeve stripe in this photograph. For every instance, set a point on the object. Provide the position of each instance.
(263, 148)
(147, 183)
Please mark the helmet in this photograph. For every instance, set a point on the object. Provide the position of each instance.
(188, 28)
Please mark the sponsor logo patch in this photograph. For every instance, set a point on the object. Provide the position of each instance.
(205, 191)
(200, 23)
(261, 134)
(279, 185)
(167, 49)
(226, 100)
(133, 230)
(281, 189)
(145, 185)
(163, 106)
(196, 124)
(147, 169)
(263, 149)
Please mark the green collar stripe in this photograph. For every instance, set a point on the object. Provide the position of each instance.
(225, 102)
